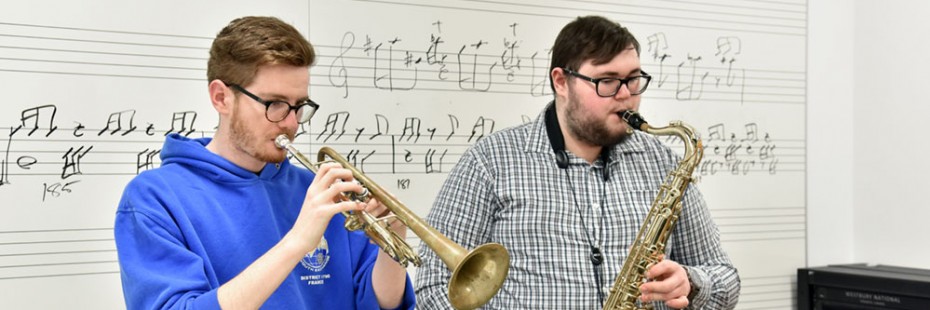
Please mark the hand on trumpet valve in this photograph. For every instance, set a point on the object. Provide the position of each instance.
(327, 189)
(385, 217)
(322, 202)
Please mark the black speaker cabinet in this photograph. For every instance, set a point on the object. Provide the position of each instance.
(861, 286)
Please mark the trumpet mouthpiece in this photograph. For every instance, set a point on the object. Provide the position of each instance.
(282, 141)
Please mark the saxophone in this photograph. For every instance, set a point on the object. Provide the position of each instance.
(652, 237)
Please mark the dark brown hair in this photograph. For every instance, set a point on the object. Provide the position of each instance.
(589, 37)
(250, 42)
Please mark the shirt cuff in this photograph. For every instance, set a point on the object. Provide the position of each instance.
(699, 287)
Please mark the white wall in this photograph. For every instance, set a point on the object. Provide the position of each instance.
(830, 173)
(868, 72)
(892, 46)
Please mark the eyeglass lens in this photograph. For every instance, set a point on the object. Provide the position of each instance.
(610, 87)
(278, 111)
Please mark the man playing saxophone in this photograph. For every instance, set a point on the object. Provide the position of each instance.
(567, 193)
(227, 222)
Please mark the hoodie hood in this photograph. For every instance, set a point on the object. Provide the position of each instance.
(193, 153)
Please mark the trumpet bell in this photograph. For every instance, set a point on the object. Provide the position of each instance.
(479, 276)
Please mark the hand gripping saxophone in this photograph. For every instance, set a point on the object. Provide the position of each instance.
(657, 228)
(477, 275)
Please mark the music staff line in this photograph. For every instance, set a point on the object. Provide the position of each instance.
(106, 42)
(56, 252)
(56, 275)
(390, 65)
(377, 155)
(694, 83)
(767, 284)
(767, 292)
(776, 94)
(203, 49)
(755, 224)
(334, 52)
(75, 261)
(113, 31)
(792, 26)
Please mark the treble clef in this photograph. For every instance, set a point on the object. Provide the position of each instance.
(339, 78)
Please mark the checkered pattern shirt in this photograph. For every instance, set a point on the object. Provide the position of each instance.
(507, 189)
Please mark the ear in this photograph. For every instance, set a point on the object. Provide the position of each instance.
(559, 81)
(221, 97)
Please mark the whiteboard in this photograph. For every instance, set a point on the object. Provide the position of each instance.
(90, 90)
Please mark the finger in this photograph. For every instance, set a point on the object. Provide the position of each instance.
(336, 190)
(664, 290)
(332, 194)
(678, 303)
(325, 176)
(337, 175)
(345, 206)
(657, 296)
(317, 183)
(661, 270)
(376, 209)
(323, 169)
(659, 290)
(330, 165)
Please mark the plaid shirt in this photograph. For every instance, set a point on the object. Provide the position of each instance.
(507, 189)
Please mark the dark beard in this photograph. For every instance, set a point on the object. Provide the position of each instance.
(589, 132)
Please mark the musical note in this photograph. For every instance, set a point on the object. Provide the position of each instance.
(657, 45)
(35, 114)
(183, 121)
(145, 159)
(116, 119)
(72, 160)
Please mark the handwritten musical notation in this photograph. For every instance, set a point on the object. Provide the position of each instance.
(503, 65)
(749, 152)
(42, 146)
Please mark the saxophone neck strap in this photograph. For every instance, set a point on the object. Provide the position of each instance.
(557, 141)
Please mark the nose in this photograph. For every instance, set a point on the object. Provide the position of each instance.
(290, 121)
(623, 92)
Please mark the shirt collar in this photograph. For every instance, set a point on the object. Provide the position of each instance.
(538, 139)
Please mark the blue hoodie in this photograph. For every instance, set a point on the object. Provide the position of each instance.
(193, 224)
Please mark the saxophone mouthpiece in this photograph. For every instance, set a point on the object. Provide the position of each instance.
(282, 141)
(633, 118)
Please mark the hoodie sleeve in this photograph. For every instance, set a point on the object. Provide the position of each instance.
(156, 269)
(367, 255)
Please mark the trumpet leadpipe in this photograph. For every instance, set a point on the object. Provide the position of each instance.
(283, 142)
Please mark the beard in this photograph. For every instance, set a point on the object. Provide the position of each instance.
(251, 142)
(584, 127)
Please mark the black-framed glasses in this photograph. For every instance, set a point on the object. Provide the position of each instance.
(277, 110)
(608, 87)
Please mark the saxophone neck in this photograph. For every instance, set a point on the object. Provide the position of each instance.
(687, 134)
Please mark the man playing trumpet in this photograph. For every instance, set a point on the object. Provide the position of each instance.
(229, 223)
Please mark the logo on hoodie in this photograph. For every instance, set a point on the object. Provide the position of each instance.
(316, 260)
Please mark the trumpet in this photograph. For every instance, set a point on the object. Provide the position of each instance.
(477, 275)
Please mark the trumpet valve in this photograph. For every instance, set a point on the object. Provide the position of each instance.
(353, 222)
